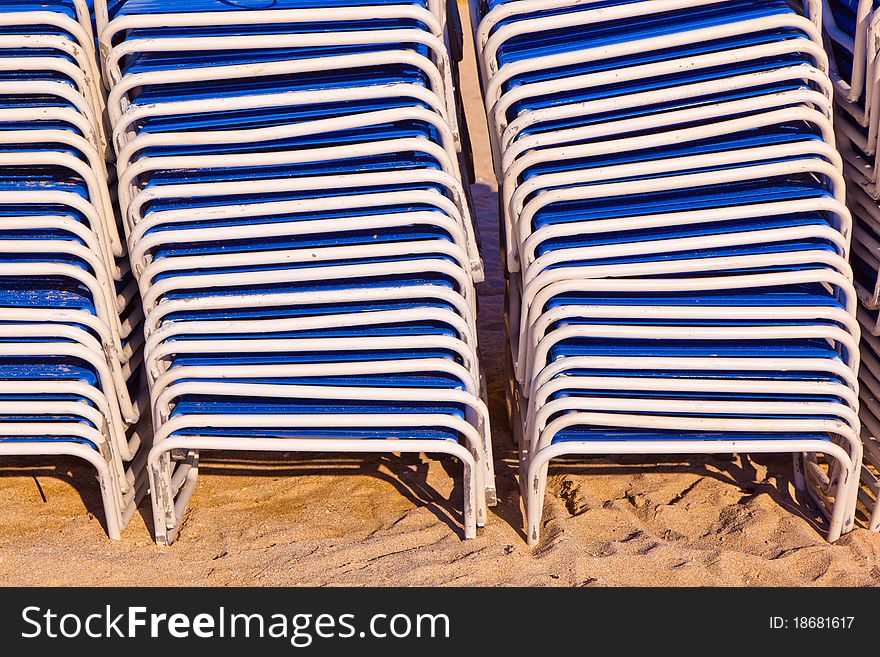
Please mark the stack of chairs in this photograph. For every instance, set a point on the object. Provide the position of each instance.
(852, 28)
(71, 341)
(291, 183)
(676, 236)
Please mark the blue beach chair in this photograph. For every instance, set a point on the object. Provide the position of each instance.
(851, 28)
(676, 237)
(292, 184)
(72, 379)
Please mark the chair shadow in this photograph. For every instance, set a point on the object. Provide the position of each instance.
(740, 472)
(407, 473)
(76, 473)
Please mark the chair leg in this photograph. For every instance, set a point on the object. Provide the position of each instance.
(841, 515)
(536, 485)
(874, 524)
(800, 481)
(480, 501)
(161, 496)
(491, 492)
(110, 499)
(471, 495)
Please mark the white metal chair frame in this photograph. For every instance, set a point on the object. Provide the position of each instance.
(494, 83)
(89, 169)
(450, 184)
(429, 250)
(161, 344)
(484, 25)
(431, 247)
(76, 203)
(122, 356)
(500, 124)
(513, 189)
(32, 325)
(866, 247)
(65, 92)
(106, 445)
(832, 334)
(687, 407)
(108, 25)
(130, 185)
(490, 39)
(528, 304)
(79, 125)
(804, 99)
(119, 101)
(141, 255)
(171, 491)
(678, 385)
(81, 32)
(851, 90)
(812, 79)
(838, 214)
(178, 375)
(118, 445)
(84, 68)
(846, 475)
(155, 320)
(838, 284)
(862, 171)
(441, 206)
(660, 246)
(602, 180)
(75, 229)
(565, 371)
(869, 493)
(129, 172)
(477, 413)
(113, 376)
(541, 335)
(109, 304)
(438, 70)
(870, 389)
(126, 357)
(117, 511)
(156, 328)
(83, 16)
(118, 27)
(453, 185)
(526, 196)
(130, 150)
(126, 127)
(835, 272)
(156, 366)
(867, 116)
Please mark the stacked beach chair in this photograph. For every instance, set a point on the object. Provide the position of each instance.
(290, 180)
(71, 345)
(676, 236)
(851, 28)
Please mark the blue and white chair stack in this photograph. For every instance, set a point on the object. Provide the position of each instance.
(291, 184)
(676, 236)
(71, 345)
(852, 28)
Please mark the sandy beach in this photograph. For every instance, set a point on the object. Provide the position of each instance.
(290, 520)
